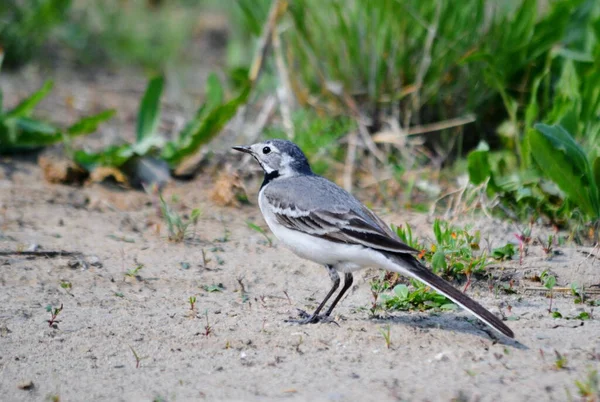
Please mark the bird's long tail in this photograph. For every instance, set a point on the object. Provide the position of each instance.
(406, 264)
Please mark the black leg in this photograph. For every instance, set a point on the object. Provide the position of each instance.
(348, 279)
(314, 317)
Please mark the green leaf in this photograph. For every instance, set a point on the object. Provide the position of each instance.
(149, 114)
(90, 124)
(115, 155)
(401, 291)
(478, 164)
(25, 108)
(204, 129)
(565, 163)
(214, 91)
(438, 261)
(596, 172)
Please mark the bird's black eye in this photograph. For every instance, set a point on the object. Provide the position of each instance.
(266, 150)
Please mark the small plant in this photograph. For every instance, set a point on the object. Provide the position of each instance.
(524, 238)
(385, 331)
(456, 252)
(549, 281)
(207, 327)
(405, 234)
(578, 293)
(177, 226)
(213, 288)
(19, 131)
(132, 273)
(54, 312)
(504, 253)
(260, 230)
(66, 285)
(547, 246)
(589, 389)
(378, 286)
(561, 361)
(421, 298)
(138, 358)
(192, 301)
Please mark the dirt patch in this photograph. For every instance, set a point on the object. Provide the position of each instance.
(246, 289)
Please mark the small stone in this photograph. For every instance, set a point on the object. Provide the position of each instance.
(94, 261)
(26, 385)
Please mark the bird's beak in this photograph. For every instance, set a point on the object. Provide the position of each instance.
(245, 149)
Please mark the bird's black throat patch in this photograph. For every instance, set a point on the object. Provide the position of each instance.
(269, 177)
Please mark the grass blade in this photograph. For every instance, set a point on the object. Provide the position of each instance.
(149, 114)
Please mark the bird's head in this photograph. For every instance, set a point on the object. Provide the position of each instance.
(278, 158)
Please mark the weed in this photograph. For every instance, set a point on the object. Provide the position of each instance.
(505, 252)
(138, 358)
(456, 252)
(385, 331)
(133, 273)
(192, 301)
(19, 131)
(214, 288)
(548, 246)
(549, 281)
(178, 226)
(421, 298)
(54, 312)
(524, 238)
(578, 293)
(560, 363)
(589, 389)
(260, 230)
(208, 330)
(406, 235)
(66, 285)
(378, 286)
(149, 159)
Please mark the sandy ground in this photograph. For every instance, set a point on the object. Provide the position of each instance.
(250, 352)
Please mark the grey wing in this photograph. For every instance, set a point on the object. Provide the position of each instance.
(352, 223)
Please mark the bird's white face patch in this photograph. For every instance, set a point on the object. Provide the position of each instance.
(270, 161)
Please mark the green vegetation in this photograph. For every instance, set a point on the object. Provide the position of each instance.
(19, 131)
(209, 119)
(25, 25)
(358, 83)
(178, 226)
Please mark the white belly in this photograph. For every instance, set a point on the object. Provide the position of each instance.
(344, 257)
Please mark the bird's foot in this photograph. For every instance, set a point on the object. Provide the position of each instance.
(306, 318)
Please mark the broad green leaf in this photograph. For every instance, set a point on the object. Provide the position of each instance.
(565, 163)
(478, 164)
(563, 141)
(401, 291)
(438, 261)
(25, 108)
(90, 124)
(211, 124)
(149, 113)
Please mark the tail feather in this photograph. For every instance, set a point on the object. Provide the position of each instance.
(412, 267)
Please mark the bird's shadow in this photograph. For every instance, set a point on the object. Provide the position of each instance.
(451, 323)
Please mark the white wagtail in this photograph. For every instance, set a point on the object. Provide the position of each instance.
(321, 222)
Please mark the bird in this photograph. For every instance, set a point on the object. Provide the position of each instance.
(321, 222)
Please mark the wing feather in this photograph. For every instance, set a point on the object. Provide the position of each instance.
(341, 226)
